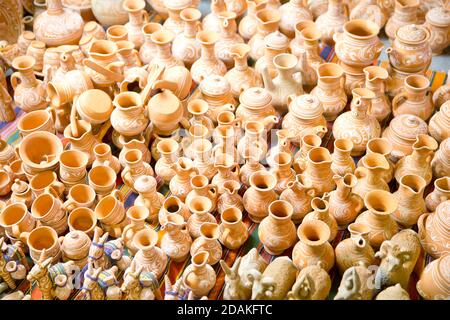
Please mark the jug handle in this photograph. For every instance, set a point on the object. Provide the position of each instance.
(69, 205)
(185, 123)
(52, 112)
(15, 80)
(117, 194)
(213, 189)
(225, 234)
(337, 37)
(73, 119)
(23, 236)
(102, 70)
(343, 80)
(421, 225)
(145, 16)
(395, 102)
(165, 84)
(154, 73)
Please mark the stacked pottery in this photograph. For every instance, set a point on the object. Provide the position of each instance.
(72, 168)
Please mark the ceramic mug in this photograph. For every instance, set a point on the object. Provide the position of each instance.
(72, 165)
(102, 179)
(38, 120)
(41, 238)
(80, 196)
(17, 169)
(110, 209)
(83, 219)
(6, 181)
(117, 33)
(16, 219)
(47, 207)
(43, 180)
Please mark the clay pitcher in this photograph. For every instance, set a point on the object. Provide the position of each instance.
(137, 17)
(233, 232)
(180, 184)
(299, 194)
(318, 170)
(201, 187)
(410, 200)
(199, 276)
(370, 175)
(384, 147)
(176, 241)
(81, 138)
(321, 212)
(128, 118)
(260, 195)
(376, 81)
(440, 193)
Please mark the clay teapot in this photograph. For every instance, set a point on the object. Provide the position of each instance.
(440, 122)
(256, 105)
(405, 13)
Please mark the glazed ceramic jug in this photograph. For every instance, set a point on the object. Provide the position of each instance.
(433, 283)
(355, 250)
(180, 184)
(344, 205)
(299, 194)
(357, 125)
(261, 191)
(109, 12)
(248, 24)
(291, 13)
(256, 105)
(321, 212)
(331, 21)
(342, 162)
(381, 205)
(208, 241)
(317, 168)
(229, 197)
(419, 161)
(375, 81)
(174, 23)
(164, 58)
(29, 92)
(370, 175)
(275, 43)
(313, 247)
(277, 231)
(411, 203)
(149, 257)
(330, 90)
(405, 13)
(437, 20)
(227, 37)
(200, 208)
(50, 26)
(440, 193)
(439, 123)
(241, 77)
(233, 232)
(185, 46)
(148, 50)
(134, 168)
(440, 163)
(176, 241)
(199, 276)
(208, 64)
(148, 197)
(432, 228)
(286, 83)
(137, 17)
(267, 22)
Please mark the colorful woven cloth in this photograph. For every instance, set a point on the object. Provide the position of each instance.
(10, 133)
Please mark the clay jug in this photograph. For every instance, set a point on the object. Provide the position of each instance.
(277, 231)
(370, 175)
(164, 58)
(201, 187)
(321, 212)
(169, 150)
(384, 147)
(229, 197)
(148, 197)
(357, 125)
(411, 203)
(309, 56)
(419, 162)
(330, 90)
(275, 43)
(199, 276)
(434, 283)
(437, 20)
(208, 64)
(180, 184)
(381, 205)
(21, 192)
(267, 22)
(313, 247)
(174, 22)
(137, 17)
(227, 37)
(440, 163)
(297, 44)
(176, 241)
(129, 56)
(104, 157)
(233, 232)
(299, 194)
(286, 83)
(376, 81)
(344, 205)
(317, 168)
(440, 193)
(149, 257)
(291, 13)
(212, 21)
(355, 250)
(405, 13)
(50, 26)
(79, 132)
(415, 98)
(134, 142)
(332, 21)
(148, 50)
(203, 160)
(241, 77)
(227, 169)
(308, 142)
(208, 241)
(248, 24)
(200, 207)
(170, 205)
(134, 168)
(281, 169)
(198, 108)
(29, 92)
(260, 195)
(185, 46)
(137, 216)
(433, 230)
(439, 123)
(342, 162)
(254, 142)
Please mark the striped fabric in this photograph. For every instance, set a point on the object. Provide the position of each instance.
(9, 132)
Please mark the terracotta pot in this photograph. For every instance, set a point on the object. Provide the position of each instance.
(411, 203)
(95, 115)
(384, 147)
(433, 283)
(313, 247)
(277, 231)
(317, 168)
(438, 22)
(110, 209)
(149, 257)
(371, 174)
(116, 33)
(29, 92)
(376, 81)
(170, 205)
(275, 43)
(176, 241)
(224, 136)
(439, 122)
(6, 182)
(135, 167)
(129, 56)
(24, 41)
(180, 184)
(185, 47)
(75, 247)
(36, 49)
(380, 204)
(261, 191)
(200, 207)
(229, 197)
(137, 17)
(342, 162)
(208, 241)
(254, 142)
(168, 149)
(267, 22)
(102, 179)
(369, 10)
(50, 26)
(42, 238)
(440, 193)
(248, 24)
(233, 232)
(227, 37)
(38, 120)
(256, 105)
(148, 49)
(432, 228)
(355, 250)
(21, 192)
(405, 13)
(43, 180)
(440, 163)
(148, 197)
(47, 208)
(281, 169)
(298, 43)
(128, 117)
(137, 216)
(199, 276)
(80, 195)
(331, 21)
(73, 166)
(109, 13)
(16, 219)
